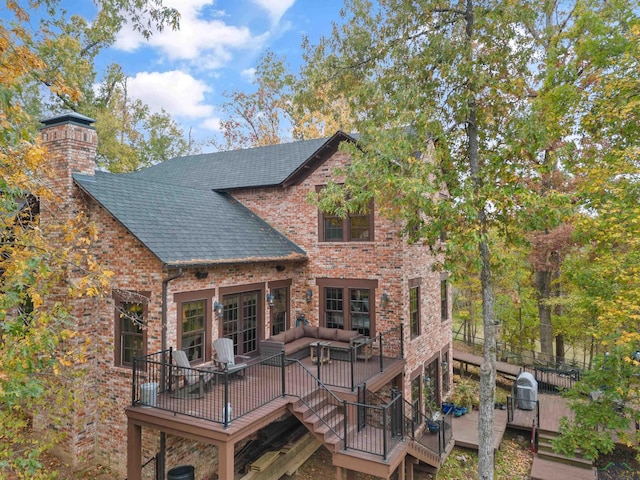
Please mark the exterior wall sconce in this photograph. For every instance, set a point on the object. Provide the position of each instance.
(218, 308)
(200, 274)
(309, 295)
(444, 363)
(270, 299)
(384, 300)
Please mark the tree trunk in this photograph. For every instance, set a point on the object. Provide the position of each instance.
(543, 286)
(487, 371)
(488, 367)
(560, 349)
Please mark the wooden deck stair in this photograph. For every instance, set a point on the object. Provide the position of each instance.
(548, 464)
(321, 418)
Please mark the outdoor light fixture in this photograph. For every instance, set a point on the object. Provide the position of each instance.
(270, 299)
(200, 274)
(384, 300)
(444, 363)
(309, 295)
(218, 308)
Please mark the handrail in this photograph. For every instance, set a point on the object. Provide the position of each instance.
(321, 386)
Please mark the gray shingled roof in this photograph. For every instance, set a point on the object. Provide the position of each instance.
(253, 167)
(187, 226)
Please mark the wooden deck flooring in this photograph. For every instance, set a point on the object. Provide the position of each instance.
(543, 469)
(552, 409)
(465, 429)
(466, 358)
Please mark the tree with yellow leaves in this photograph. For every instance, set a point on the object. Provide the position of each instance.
(39, 350)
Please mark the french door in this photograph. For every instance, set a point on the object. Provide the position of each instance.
(240, 321)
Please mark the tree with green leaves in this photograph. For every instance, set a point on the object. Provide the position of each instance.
(471, 118)
(40, 352)
(438, 79)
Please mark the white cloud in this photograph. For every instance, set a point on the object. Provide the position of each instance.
(212, 124)
(208, 41)
(249, 74)
(275, 8)
(180, 94)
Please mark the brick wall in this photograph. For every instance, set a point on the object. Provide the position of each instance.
(100, 432)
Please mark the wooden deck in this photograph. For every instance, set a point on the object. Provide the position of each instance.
(465, 429)
(256, 399)
(466, 359)
(552, 409)
(262, 384)
(543, 469)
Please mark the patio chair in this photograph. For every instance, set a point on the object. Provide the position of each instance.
(225, 359)
(195, 379)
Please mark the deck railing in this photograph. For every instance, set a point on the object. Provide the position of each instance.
(507, 353)
(554, 380)
(317, 397)
(224, 397)
(159, 384)
(435, 441)
(350, 366)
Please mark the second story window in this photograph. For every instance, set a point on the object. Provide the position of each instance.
(414, 310)
(444, 298)
(355, 227)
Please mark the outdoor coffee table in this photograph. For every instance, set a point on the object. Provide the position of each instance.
(325, 353)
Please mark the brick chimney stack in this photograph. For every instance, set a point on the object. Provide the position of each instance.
(71, 142)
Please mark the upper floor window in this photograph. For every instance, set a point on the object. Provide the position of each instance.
(444, 298)
(355, 227)
(414, 309)
(130, 327)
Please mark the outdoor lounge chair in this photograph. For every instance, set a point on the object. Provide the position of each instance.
(196, 379)
(225, 359)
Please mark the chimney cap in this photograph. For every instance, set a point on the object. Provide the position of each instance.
(68, 117)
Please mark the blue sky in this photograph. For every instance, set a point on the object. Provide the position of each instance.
(216, 49)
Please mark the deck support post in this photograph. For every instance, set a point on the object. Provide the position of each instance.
(409, 470)
(352, 475)
(134, 451)
(402, 468)
(225, 460)
(339, 475)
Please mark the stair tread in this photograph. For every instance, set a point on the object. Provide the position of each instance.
(560, 457)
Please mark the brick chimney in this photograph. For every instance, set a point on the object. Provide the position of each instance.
(71, 144)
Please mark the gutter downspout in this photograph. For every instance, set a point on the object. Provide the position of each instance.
(160, 471)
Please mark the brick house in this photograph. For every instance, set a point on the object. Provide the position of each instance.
(227, 245)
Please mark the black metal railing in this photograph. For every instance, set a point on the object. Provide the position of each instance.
(348, 367)
(383, 428)
(554, 380)
(159, 384)
(317, 397)
(436, 434)
(509, 354)
(222, 397)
